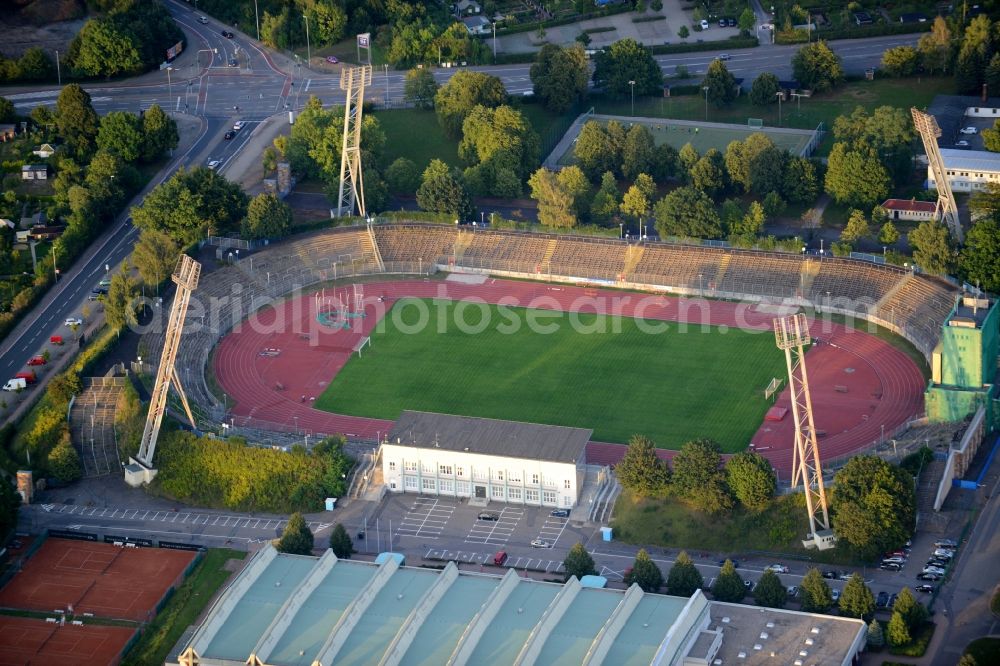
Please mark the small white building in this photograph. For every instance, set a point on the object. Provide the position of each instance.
(489, 459)
(968, 170)
(477, 25)
(34, 172)
(910, 209)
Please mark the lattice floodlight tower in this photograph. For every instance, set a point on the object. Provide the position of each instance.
(140, 469)
(352, 192)
(927, 126)
(792, 335)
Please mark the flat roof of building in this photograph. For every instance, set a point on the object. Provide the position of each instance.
(493, 437)
(788, 633)
(970, 160)
(970, 312)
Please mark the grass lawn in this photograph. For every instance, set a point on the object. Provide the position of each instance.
(613, 377)
(985, 650)
(183, 608)
(669, 523)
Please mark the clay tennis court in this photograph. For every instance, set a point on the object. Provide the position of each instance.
(859, 381)
(27, 641)
(102, 579)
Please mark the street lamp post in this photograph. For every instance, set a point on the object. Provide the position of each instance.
(494, 42)
(780, 95)
(308, 49)
(256, 16)
(58, 70)
(386, 66)
(705, 88)
(170, 88)
(632, 86)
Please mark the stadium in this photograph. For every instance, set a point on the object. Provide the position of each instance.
(306, 338)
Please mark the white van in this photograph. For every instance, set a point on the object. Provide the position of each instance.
(16, 384)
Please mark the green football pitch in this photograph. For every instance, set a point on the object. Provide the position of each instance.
(593, 371)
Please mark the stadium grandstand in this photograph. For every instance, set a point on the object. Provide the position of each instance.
(910, 304)
(294, 610)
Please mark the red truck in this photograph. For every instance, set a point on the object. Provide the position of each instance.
(56, 340)
(28, 376)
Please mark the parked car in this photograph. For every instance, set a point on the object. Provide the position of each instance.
(892, 600)
(894, 560)
(945, 543)
(832, 575)
(736, 563)
(722, 23)
(929, 576)
(725, 56)
(704, 24)
(962, 144)
(559, 513)
(28, 376)
(500, 558)
(968, 130)
(731, 22)
(946, 553)
(100, 291)
(73, 321)
(891, 566)
(937, 571)
(489, 515)
(540, 543)
(15, 385)
(56, 340)
(835, 595)
(777, 568)
(943, 564)
(845, 575)
(882, 600)
(332, 60)
(926, 589)
(37, 360)
(793, 591)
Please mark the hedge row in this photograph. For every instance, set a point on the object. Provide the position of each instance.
(856, 32)
(659, 49)
(566, 20)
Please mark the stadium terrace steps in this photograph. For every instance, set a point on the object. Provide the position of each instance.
(723, 265)
(92, 426)
(810, 269)
(891, 294)
(546, 266)
(632, 258)
(462, 241)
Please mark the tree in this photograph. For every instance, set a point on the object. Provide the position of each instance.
(105, 50)
(559, 76)
(764, 89)
(340, 542)
(874, 506)
(36, 65)
(297, 538)
(974, 55)
(503, 147)
(876, 637)
(420, 88)
(979, 262)
(121, 301)
(696, 464)
(756, 163)
(721, 84)
(555, 203)
(855, 176)
(687, 157)
(991, 137)
(935, 47)
(817, 68)
(464, 91)
(687, 212)
(684, 577)
(888, 234)
(7, 110)
(191, 204)
(968, 660)
(402, 176)
(442, 191)
(900, 61)
(815, 593)
(911, 610)
(897, 633)
(856, 600)
(627, 60)
(605, 203)
(637, 152)
(154, 256)
(267, 217)
(728, 585)
(641, 471)
(887, 130)
(933, 247)
(747, 21)
(750, 475)
(683, 32)
(774, 205)
(645, 573)
(636, 201)
(64, 386)
(578, 562)
(770, 592)
(665, 162)
(857, 227)
(800, 183)
(708, 174)
(76, 119)
(159, 133)
(63, 461)
(121, 133)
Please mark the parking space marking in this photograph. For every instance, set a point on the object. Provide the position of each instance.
(426, 518)
(498, 531)
(193, 519)
(552, 530)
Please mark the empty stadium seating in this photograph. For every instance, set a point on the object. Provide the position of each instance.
(851, 285)
(762, 274)
(592, 258)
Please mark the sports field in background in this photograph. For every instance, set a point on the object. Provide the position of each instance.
(702, 136)
(673, 386)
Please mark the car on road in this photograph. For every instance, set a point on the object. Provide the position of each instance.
(489, 515)
(891, 566)
(73, 321)
(946, 543)
(332, 60)
(929, 576)
(845, 575)
(227, 34)
(238, 125)
(962, 144)
(777, 568)
(832, 575)
(725, 56)
(540, 543)
(202, 20)
(214, 164)
(229, 135)
(926, 589)
(233, 62)
(968, 130)
(37, 360)
(559, 513)
(883, 600)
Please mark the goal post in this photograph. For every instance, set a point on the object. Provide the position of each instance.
(756, 123)
(364, 342)
(772, 388)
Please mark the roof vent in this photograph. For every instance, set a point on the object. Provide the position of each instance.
(742, 654)
(769, 625)
(803, 653)
(725, 620)
(797, 662)
(399, 596)
(277, 583)
(758, 646)
(809, 641)
(814, 630)
(465, 448)
(763, 635)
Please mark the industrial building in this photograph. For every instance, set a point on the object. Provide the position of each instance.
(968, 170)
(294, 610)
(487, 459)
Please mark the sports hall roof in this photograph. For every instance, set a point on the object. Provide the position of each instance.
(292, 610)
(970, 160)
(513, 439)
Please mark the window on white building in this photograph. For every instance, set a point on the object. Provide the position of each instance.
(548, 497)
(459, 471)
(428, 484)
(567, 484)
(531, 496)
(534, 479)
(426, 467)
(496, 492)
(462, 488)
(410, 466)
(392, 465)
(514, 494)
(445, 470)
(499, 474)
(410, 483)
(514, 476)
(446, 486)
(479, 474)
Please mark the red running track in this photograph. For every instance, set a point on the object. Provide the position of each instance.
(879, 385)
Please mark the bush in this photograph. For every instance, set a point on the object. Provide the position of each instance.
(731, 43)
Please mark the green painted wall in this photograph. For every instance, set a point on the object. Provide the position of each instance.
(946, 404)
(968, 355)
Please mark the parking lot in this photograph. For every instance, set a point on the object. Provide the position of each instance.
(426, 518)
(497, 531)
(485, 559)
